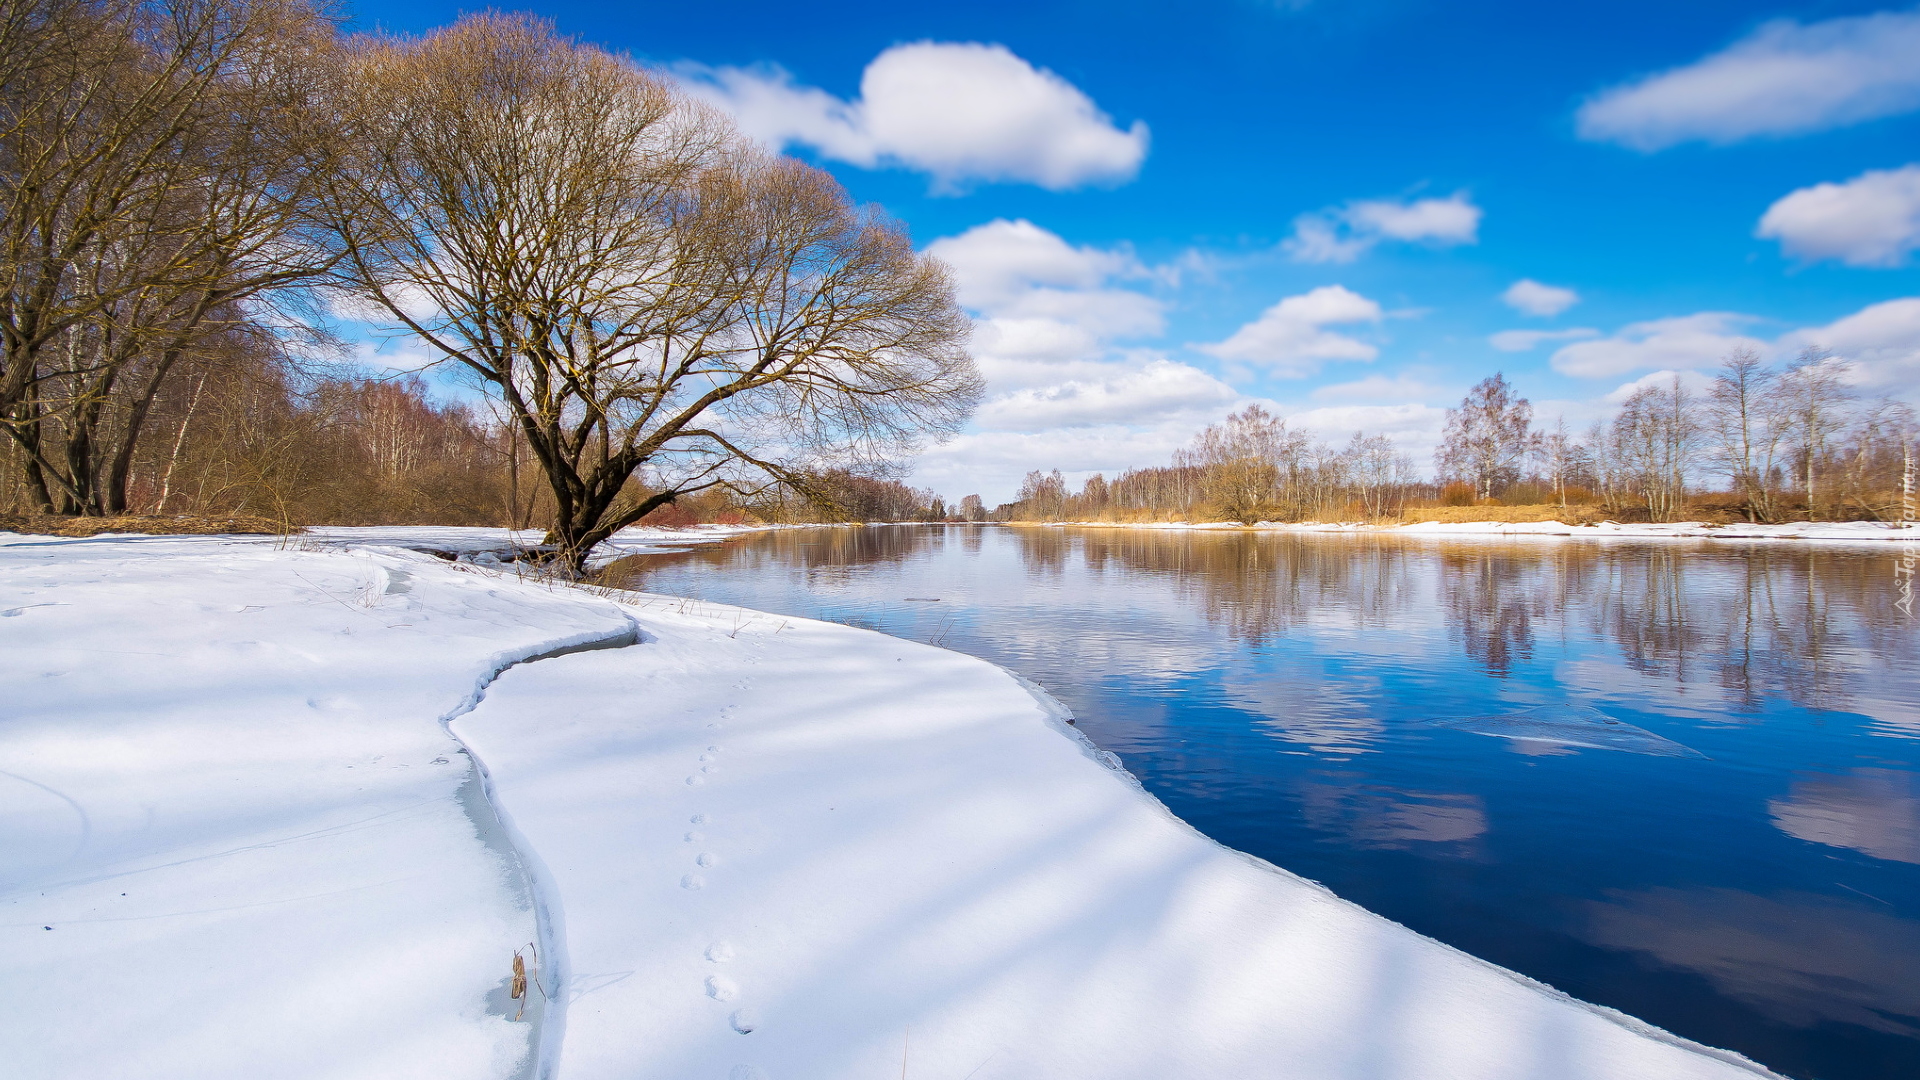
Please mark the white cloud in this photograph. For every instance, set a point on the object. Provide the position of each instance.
(959, 112)
(1871, 220)
(1124, 395)
(1040, 302)
(1291, 337)
(1882, 341)
(1685, 342)
(1342, 234)
(1696, 381)
(1393, 389)
(1528, 340)
(999, 261)
(1533, 298)
(1785, 78)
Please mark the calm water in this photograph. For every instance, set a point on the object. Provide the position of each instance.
(1288, 696)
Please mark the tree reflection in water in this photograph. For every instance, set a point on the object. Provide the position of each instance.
(1280, 691)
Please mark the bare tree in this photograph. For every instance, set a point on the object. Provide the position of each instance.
(1043, 496)
(1378, 473)
(1245, 463)
(650, 297)
(1488, 437)
(1747, 424)
(156, 167)
(1653, 439)
(1813, 395)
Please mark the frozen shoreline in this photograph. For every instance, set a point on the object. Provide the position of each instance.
(900, 857)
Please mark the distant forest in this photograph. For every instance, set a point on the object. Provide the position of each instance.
(1763, 443)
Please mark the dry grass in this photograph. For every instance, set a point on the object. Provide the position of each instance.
(1572, 515)
(185, 525)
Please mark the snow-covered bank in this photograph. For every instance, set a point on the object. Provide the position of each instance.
(235, 836)
(1874, 531)
(777, 848)
(491, 546)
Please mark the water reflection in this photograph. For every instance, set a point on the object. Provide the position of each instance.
(1875, 811)
(1750, 877)
(1800, 959)
(1387, 818)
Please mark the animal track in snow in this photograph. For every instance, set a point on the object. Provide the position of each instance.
(693, 881)
(744, 1021)
(708, 756)
(719, 952)
(697, 819)
(707, 858)
(696, 836)
(696, 780)
(721, 988)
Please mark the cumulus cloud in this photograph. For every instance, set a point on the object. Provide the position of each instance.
(1880, 343)
(1291, 337)
(1533, 298)
(1124, 395)
(1698, 382)
(1045, 310)
(1785, 78)
(1528, 340)
(1689, 341)
(1871, 220)
(1382, 388)
(959, 111)
(1341, 234)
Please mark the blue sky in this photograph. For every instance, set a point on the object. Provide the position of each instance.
(1158, 213)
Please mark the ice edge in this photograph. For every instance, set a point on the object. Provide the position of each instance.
(548, 916)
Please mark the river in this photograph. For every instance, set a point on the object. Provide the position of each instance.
(1677, 778)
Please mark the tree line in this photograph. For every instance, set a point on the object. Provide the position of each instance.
(653, 309)
(1763, 442)
(1768, 442)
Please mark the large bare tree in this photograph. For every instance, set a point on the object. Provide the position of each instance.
(660, 307)
(157, 160)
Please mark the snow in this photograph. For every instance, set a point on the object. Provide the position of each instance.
(492, 547)
(234, 787)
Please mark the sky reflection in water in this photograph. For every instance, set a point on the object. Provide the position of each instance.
(1301, 698)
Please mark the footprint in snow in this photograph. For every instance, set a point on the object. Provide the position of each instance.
(696, 780)
(695, 836)
(707, 756)
(721, 988)
(693, 882)
(707, 859)
(697, 819)
(744, 1021)
(719, 952)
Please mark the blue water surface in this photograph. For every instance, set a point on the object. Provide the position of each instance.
(1444, 731)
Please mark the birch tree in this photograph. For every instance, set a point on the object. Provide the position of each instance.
(1488, 437)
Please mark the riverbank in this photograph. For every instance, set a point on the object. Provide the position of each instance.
(741, 846)
(1872, 531)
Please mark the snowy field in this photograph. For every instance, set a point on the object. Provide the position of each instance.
(289, 809)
